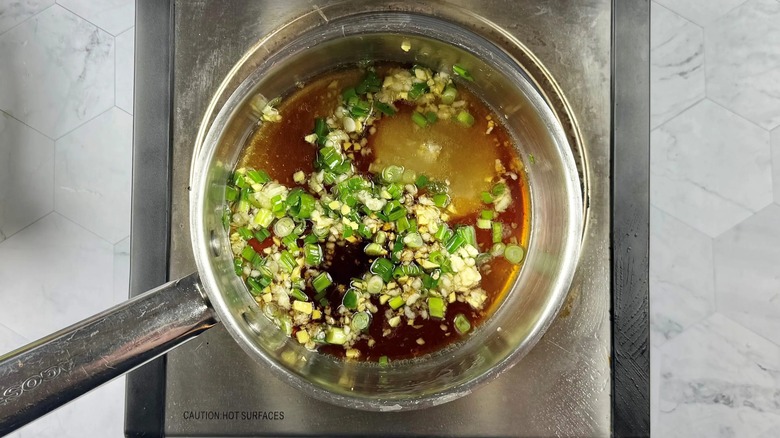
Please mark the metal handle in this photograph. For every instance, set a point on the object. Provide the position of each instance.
(52, 371)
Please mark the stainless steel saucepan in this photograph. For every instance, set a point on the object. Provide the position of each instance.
(54, 370)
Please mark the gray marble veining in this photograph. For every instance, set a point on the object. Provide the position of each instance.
(743, 61)
(13, 12)
(58, 71)
(677, 65)
(701, 12)
(682, 284)
(710, 168)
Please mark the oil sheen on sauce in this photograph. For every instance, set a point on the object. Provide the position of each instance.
(466, 157)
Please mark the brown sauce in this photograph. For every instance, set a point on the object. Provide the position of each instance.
(467, 161)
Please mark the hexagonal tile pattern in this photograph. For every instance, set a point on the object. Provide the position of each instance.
(114, 16)
(57, 70)
(743, 61)
(710, 168)
(776, 162)
(92, 175)
(52, 274)
(16, 11)
(701, 12)
(26, 175)
(677, 64)
(125, 62)
(681, 278)
(718, 379)
(747, 272)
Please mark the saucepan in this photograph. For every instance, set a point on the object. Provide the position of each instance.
(46, 374)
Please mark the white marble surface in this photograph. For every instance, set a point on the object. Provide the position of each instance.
(747, 272)
(701, 12)
(776, 162)
(125, 51)
(743, 61)
(57, 70)
(681, 276)
(710, 168)
(718, 379)
(121, 270)
(114, 16)
(58, 85)
(92, 175)
(13, 12)
(715, 230)
(52, 274)
(98, 414)
(677, 70)
(26, 175)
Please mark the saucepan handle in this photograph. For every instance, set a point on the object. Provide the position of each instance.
(52, 371)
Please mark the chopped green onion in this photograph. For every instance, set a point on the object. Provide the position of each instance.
(402, 224)
(374, 249)
(465, 119)
(231, 193)
(245, 233)
(335, 335)
(383, 268)
(487, 214)
(410, 270)
(238, 265)
(395, 190)
(483, 224)
(249, 254)
(226, 217)
(384, 108)
(310, 238)
(321, 130)
(349, 93)
(290, 241)
(330, 157)
(350, 300)
(421, 181)
(380, 237)
(486, 197)
(383, 361)
(431, 281)
(436, 307)
(298, 295)
(313, 254)
(497, 231)
(442, 233)
(462, 324)
(441, 200)
(514, 254)
(498, 189)
(462, 72)
(413, 240)
(398, 246)
(255, 286)
(375, 284)
(369, 84)
(303, 206)
(284, 226)
(431, 117)
(287, 261)
(361, 321)
(364, 231)
(455, 242)
(396, 302)
(240, 181)
(392, 174)
(482, 258)
(262, 234)
(449, 95)
(469, 235)
(419, 119)
(396, 214)
(497, 249)
(321, 282)
(417, 90)
(278, 206)
(258, 176)
(436, 257)
(347, 231)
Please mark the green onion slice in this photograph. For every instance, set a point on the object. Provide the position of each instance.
(361, 321)
(462, 324)
(462, 72)
(514, 254)
(321, 282)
